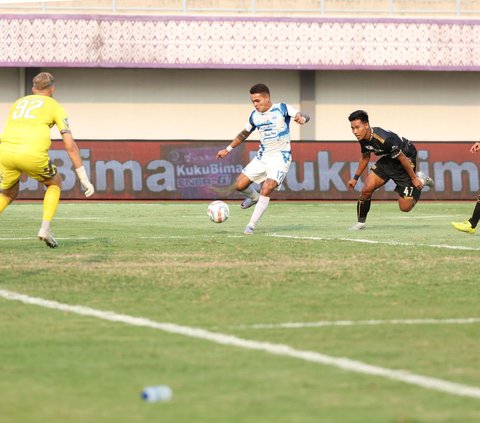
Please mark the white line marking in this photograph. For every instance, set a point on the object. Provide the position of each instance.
(82, 218)
(326, 323)
(296, 237)
(277, 349)
(16, 239)
(432, 216)
(371, 241)
(93, 238)
(176, 237)
(80, 238)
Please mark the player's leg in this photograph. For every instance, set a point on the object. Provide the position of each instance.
(52, 197)
(276, 170)
(8, 195)
(50, 204)
(253, 172)
(41, 168)
(470, 225)
(372, 183)
(268, 186)
(412, 157)
(408, 194)
(9, 180)
(244, 185)
(476, 214)
(4, 201)
(427, 181)
(408, 197)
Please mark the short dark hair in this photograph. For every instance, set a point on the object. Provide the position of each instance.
(359, 114)
(259, 89)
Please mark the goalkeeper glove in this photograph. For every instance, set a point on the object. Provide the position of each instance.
(86, 184)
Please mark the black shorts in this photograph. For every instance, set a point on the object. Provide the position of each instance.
(388, 168)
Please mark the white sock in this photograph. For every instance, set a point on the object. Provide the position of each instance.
(45, 225)
(260, 208)
(251, 193)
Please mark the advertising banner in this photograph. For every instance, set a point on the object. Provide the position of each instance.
(189, 170)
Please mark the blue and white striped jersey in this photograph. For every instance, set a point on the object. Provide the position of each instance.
(274, 128)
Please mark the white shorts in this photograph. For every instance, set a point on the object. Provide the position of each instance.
(272, 167)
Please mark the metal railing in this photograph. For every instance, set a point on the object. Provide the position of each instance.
(253, 7)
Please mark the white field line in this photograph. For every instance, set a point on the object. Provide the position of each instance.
(177, 237)
(432, 216)
(371, 241)
(83, 218)
(83, 238)
(277, 349)
(80, 238)
(296, 237)
(329, 323)
(6, 238)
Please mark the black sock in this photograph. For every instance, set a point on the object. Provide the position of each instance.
(476, 215)
(363, 206)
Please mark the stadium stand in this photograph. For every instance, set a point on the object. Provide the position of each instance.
(395, 8)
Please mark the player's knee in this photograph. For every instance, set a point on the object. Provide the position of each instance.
(240, 187)
(9, 196)
(406, 207)
(55, 180)
(242, 183)
(268, 187)
(11, 193)
(365, 196)
(56, 183)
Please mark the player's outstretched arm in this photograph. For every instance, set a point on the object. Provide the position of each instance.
(475, 147)
(407, 165)
(73, 152)
(242, 136)
(362, 165)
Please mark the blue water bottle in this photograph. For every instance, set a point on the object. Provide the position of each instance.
(157, 393)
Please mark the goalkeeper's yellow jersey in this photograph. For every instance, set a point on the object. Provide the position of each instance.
(28, 125)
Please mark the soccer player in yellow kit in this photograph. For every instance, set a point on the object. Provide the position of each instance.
(24, 147)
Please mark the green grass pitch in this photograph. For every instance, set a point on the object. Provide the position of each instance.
(166, 262)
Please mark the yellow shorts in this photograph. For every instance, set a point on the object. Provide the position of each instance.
(12, 165)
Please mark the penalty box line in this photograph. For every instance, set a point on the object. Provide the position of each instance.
(277, 349)
(371, 241)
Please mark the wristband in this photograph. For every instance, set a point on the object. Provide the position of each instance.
(82, 173)
(229, 148)
(356, 177)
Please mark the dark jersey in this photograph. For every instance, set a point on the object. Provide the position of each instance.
(387, 144)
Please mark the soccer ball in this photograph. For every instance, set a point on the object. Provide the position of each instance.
(218, 211)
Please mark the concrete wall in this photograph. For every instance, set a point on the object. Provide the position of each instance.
(423, 106)
(214, 104)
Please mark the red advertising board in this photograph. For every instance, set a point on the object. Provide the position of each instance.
(178, 170)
